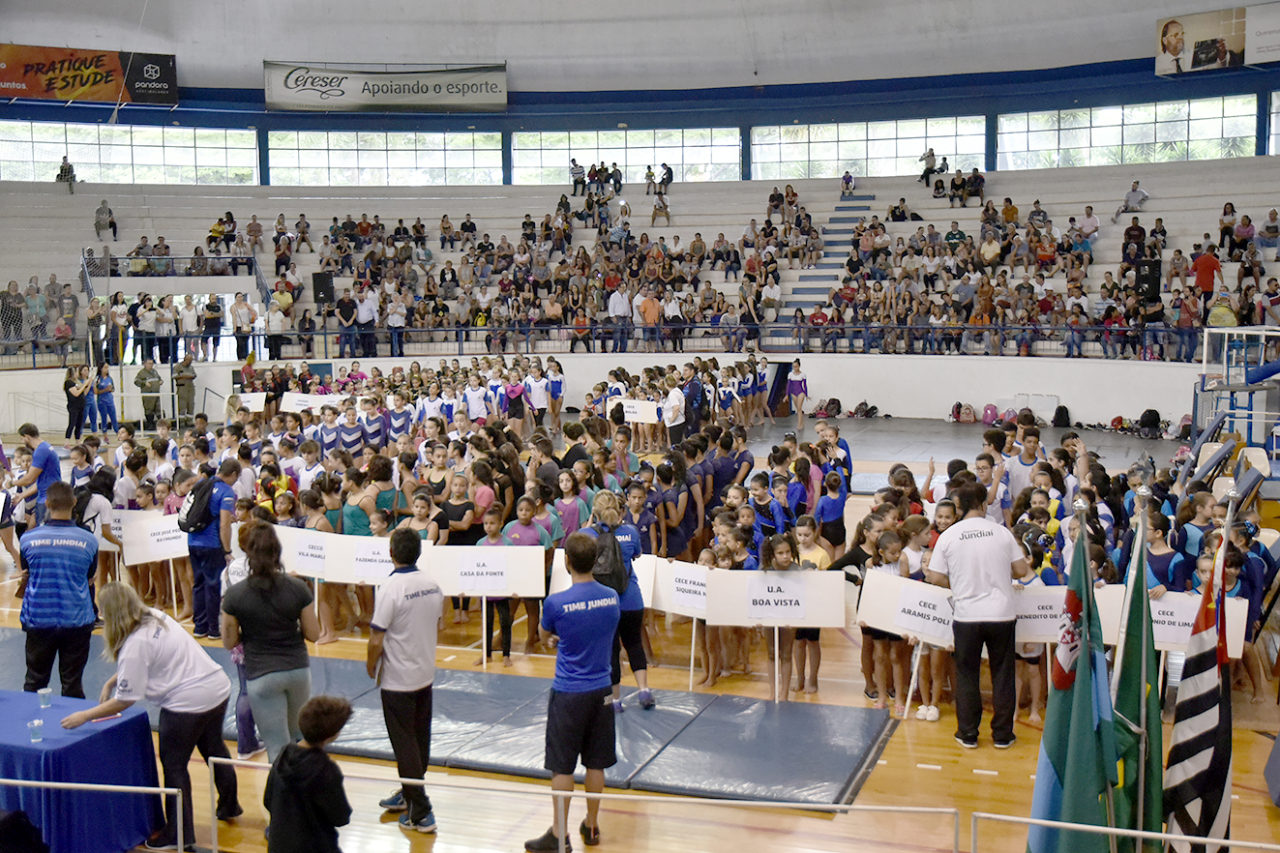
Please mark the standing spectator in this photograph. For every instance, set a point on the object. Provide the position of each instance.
(366, 323)
(243, 316)
(44, 470)
(76, 386)
(402, 643)
(58, 559)
(67, 175)
(978, 560)
(580, 720)
(578, 176)
(346, 311)
(673, 415)
(103, 218)
(158, 661)
(277, 326)
(184, 381)
(148, 382)
(304, 795)
(271, 614)
(209, 547)
(213, 317)
(1132, 202)
(1207, 270)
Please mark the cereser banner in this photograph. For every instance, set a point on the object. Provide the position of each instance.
(326, 86)
(71, 74)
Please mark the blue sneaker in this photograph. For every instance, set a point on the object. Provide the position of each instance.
(646, 699)
(426, 824)
(393, 803)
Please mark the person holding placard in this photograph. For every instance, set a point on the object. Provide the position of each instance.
(401, 657)
(779, 555)
(978, 559)
(580, 723)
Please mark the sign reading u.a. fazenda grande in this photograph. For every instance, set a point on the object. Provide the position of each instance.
(326, 86)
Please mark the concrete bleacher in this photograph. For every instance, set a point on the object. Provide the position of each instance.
(45, 228)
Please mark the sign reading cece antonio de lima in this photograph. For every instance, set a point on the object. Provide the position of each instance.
(329, 86)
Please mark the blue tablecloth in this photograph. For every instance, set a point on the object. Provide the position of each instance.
(116, 752)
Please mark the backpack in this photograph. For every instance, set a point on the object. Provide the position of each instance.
(609, 568)
(1061, 417)
(833, 408)
(990, 414)
(956, 407)
(1149, 424)
(860, 410)
(966, 415)
(194, 514)
(82, 495)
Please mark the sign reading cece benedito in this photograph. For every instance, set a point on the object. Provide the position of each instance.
(330, 87)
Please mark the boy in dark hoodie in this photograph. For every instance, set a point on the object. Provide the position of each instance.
(304, 794)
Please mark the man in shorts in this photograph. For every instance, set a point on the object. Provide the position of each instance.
(579, 714)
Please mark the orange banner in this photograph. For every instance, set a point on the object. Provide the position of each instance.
(70, 74)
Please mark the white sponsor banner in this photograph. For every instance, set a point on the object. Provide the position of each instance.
(1262, 36)
(820, 599)
(150, 536)
(640, 411)
(334, 87)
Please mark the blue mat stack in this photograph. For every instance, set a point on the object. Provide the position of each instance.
(691, 743)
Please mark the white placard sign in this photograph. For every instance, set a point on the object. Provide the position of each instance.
(682, 588)
(333, 87)
(640, 411)
(822, 599)
(922, 612)
(1039, 614)
(254, 401)
(777, 596)
(292, 401)
(371, 558)
(482, 571)
(303, 552)
(643, 567)
(150, 536)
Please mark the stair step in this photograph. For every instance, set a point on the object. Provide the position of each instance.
(820, 291)
(830, 265)
(849, 219)
(854, 197)
(814, 276)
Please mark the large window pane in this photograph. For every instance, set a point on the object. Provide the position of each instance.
(1200, 129)
(890, 147)
(543, 158)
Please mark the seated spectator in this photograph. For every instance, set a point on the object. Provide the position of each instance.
(958, 190)
(218, 264)
(939, 189)
(774, 204)
(1242, 236)
(976, 185)
(103, 218)
(1250, 265)
(846, 184)
(1132, 201)
(1158, 237)
(253, 231)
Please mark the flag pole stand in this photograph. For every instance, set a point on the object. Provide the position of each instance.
(915, 676)
(693, 650)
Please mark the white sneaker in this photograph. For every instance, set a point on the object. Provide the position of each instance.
(922, 712)
(931, 715)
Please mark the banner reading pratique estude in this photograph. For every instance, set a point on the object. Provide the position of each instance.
(75, 74)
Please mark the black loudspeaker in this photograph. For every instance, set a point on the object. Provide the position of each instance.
(1148, 277)
(322, 288)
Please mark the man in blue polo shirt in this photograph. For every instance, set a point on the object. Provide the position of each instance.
(579, 715)
(210, 550)
(45, 468)
(59, 558)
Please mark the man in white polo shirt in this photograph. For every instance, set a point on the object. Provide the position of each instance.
(978, 559)
(402, 638)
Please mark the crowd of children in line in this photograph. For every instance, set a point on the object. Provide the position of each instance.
(464, 454)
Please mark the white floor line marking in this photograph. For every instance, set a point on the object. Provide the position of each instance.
(982, 772)
(928, 766)
(449, 658)
(882, 762)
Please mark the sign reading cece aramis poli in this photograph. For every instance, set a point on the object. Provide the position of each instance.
(73, 74)
(327, 86)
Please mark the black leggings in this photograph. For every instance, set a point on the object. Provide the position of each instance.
(630, 632)
(503, 607)
(75, 418)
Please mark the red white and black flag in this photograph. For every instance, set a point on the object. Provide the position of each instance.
(1197, 778)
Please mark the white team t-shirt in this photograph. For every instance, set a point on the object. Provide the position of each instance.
(163, 664)
(408, 608)
(976, 554)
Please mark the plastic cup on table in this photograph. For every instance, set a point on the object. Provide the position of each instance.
(36, 729)
(46, 696)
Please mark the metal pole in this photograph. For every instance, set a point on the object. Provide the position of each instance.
(693, 646)
(484, 632)
(777, 664)
(915, 674)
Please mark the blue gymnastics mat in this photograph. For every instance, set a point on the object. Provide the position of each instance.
(743, 748)
(695, 744)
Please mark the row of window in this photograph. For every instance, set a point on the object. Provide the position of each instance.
(1199, 129)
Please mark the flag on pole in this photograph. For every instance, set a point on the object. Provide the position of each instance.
(1077, 751)
(1197, 782)
(1139, 795)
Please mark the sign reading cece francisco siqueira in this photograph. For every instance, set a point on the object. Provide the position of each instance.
(384, 88)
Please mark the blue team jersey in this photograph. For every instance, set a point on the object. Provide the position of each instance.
(222, 499)
(330, 438)
(585, 618)
(374, 428)
(50, 469)
(351, 436)
(399, 423)
(644, 524)
(556, 385)
(60, 558)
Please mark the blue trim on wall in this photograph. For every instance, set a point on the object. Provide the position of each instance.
(987, 94)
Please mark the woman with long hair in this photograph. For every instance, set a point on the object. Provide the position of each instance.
(76, 386)
(158, 661)
(270, 613)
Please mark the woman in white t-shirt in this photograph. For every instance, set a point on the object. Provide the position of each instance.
(190, 325)
(158, 661)
(673, 410)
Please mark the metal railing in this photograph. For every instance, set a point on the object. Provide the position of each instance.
(122, 789)
(328, 341)
(648, 799)
(1114, 832)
